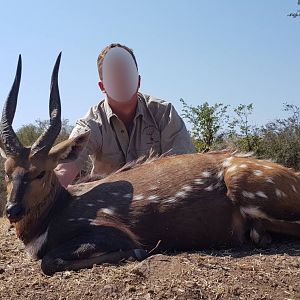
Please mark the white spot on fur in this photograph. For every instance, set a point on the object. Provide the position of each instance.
(199, 181)
(138, 197)
(261, 194)
(181, 194)
(248, 194)
(220, 174)
(187, 188)
(210, 188)
(256, 213)
(268, 167)
(257, 172)
(206, 174)
(90, 205)
(243, 166)
(153, 198)
(115, 194)
(108, 211)
(128, 196)
(270, 180)
(232, 168)
(170, 200)
(294, 188)
(153, 188)
(279, 193)
(33, 247)
(253, 211)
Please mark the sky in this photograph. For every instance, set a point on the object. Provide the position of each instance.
(216, 51)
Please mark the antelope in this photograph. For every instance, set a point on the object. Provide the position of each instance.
(183, 202)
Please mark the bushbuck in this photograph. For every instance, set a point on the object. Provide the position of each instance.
(185, 202)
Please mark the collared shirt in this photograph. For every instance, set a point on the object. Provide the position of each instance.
(157, 129)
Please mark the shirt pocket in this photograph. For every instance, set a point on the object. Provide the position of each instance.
(150, 140)
(150, 149)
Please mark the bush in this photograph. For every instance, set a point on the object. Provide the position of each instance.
(213, 129)
(281, 139)
(207, 122)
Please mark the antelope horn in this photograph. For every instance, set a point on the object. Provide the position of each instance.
(11, 143)
(44, 143)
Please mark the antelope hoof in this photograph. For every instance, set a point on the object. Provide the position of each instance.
(140, 254)
(260, 239)
(51, 265)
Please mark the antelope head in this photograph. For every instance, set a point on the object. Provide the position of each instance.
(29, 171)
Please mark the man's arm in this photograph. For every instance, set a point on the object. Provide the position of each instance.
(175, 139)
(67, 172)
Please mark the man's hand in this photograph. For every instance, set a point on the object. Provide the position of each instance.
(66, 173)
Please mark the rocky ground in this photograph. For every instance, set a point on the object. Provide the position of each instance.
(247, 274)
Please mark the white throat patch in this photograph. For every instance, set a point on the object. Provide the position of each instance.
(33, 247)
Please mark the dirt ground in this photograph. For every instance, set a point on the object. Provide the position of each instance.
(247, 274)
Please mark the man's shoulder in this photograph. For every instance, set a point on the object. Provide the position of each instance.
(90, 121)
(94, 111)
(155, 105)
(152, 100)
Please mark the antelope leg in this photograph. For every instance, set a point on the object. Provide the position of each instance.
(291, 228)
(75, 256)
(258, 234)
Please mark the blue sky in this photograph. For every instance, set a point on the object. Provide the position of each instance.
(217, 51)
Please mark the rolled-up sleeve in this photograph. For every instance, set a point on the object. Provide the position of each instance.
(95, 139)
(175, 139)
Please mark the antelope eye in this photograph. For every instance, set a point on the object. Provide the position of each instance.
(7, 177)
(41, 175)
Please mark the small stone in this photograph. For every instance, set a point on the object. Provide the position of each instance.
(131, 289)
(109, 289)
(66, 274)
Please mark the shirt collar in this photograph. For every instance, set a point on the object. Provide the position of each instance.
(108, 111)
(140, 109)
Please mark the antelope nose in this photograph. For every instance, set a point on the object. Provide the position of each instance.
(13, 210)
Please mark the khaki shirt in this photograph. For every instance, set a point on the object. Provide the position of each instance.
(156, 128)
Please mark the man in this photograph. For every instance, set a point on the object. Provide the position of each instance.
(126, 124)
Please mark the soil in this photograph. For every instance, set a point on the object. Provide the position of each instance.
(249, 273)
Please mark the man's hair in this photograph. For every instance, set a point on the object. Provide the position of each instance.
(104, 52)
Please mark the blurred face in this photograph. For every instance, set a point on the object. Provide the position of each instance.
(120, 75)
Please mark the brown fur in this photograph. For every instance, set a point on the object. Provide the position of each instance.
(187, 201)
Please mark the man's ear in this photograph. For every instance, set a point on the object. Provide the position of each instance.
(101, 86)
(70, 149)
(139, 83)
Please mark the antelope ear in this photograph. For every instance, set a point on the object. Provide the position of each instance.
(70, 149)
